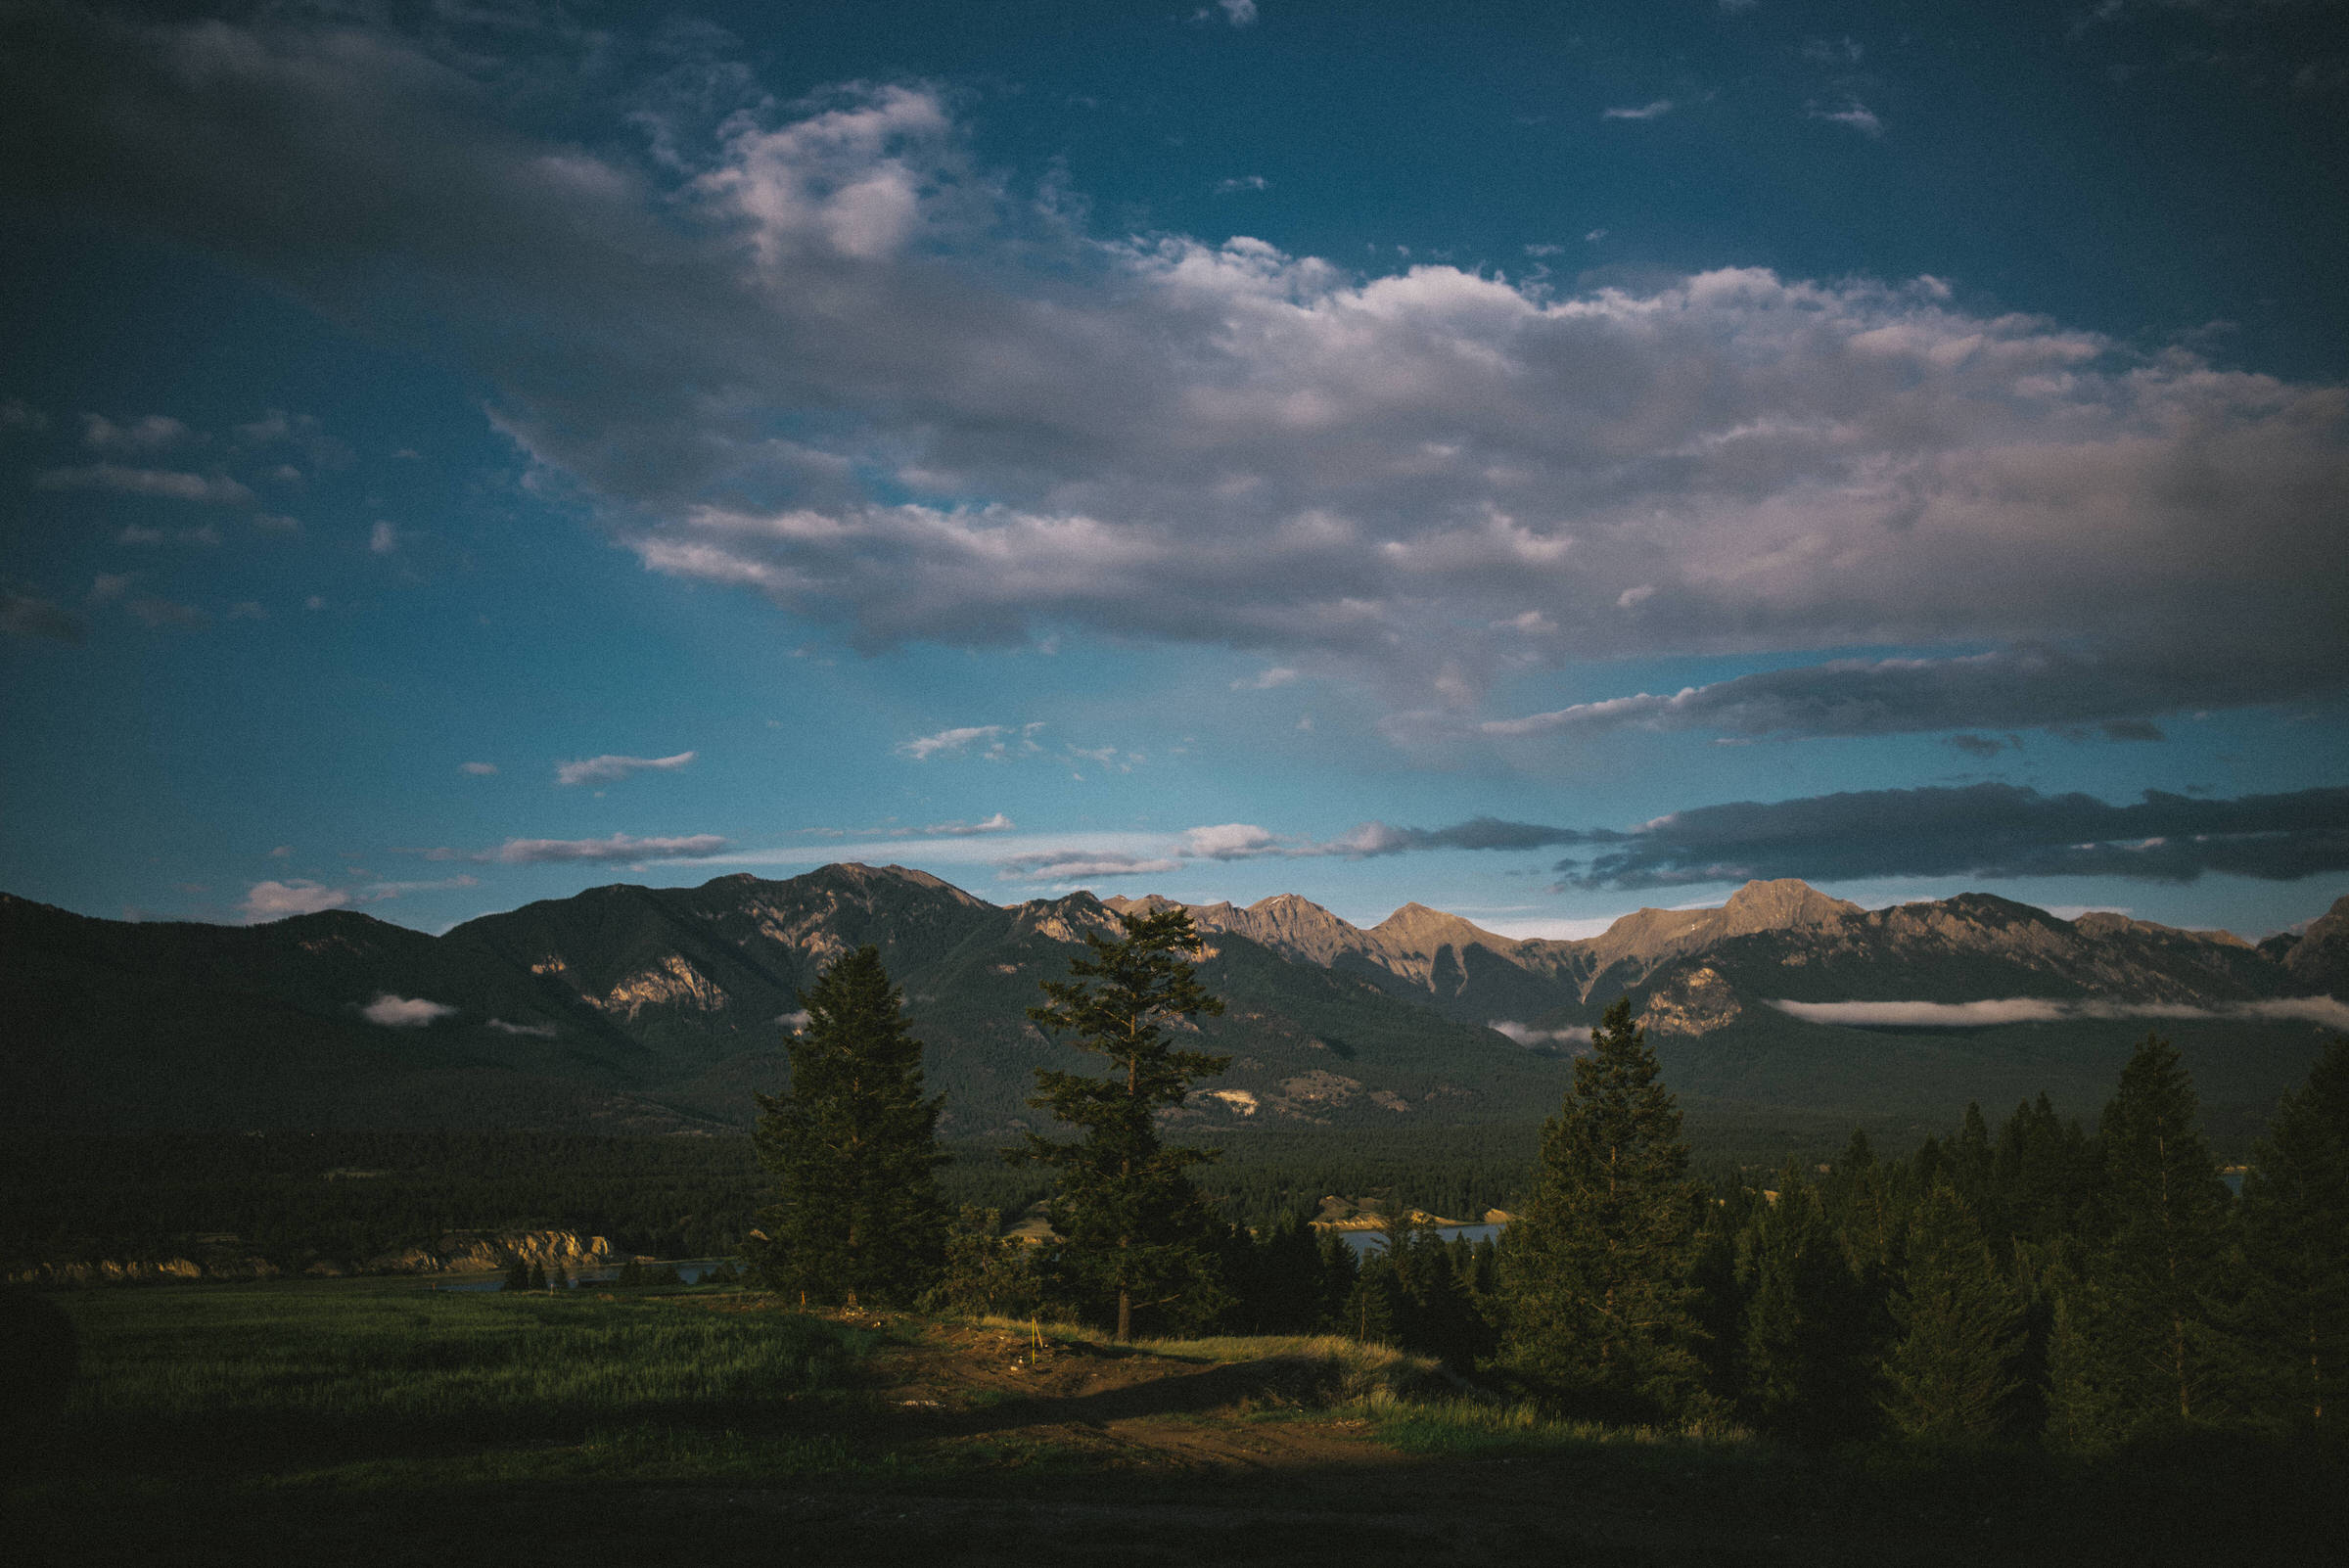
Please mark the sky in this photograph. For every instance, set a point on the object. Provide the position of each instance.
(1533, 461)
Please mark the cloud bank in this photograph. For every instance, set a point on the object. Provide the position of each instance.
(1988, 831)
(619, 849)
(2322, 1010)
(1005, 422)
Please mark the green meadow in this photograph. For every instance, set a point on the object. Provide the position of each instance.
(378, 1420)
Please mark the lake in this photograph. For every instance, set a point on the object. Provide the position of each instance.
(1362, 1241)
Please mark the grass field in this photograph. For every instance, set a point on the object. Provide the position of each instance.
(380, 1421)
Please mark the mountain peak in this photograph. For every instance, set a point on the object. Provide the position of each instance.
(1417, 927)
(1777, 904)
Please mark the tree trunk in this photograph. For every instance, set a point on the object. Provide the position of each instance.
(1124, 1315)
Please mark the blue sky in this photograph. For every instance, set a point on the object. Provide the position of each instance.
(1534, 461)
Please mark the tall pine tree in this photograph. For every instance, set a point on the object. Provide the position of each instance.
(853, 1145)
(1135, 1234)
(1810, 1325)
(2141, 1345)
(1951, 1371)
(1594, 1274)
(2296, 1240)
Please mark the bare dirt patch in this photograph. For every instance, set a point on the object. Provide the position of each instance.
(976, 1394)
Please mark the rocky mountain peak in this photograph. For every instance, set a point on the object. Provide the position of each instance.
(1779, 904)
(1417, 928)
(2320, 959)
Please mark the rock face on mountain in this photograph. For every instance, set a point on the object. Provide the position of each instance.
(636, 1009)
(2320, 959)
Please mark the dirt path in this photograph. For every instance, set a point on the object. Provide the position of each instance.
(960, 1391)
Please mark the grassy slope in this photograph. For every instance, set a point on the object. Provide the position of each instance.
(367, 1421)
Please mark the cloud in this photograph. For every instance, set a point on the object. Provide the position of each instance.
(604, 769)
(1243, 182)
(992, 742)
(618, 849)
(2029, 688)
(404, 1012)
(478, 770)
(952, 742)
(17, 416)
(1477, 833)
(24, 614)
(1082, 865)
(2324, 1010)
(793, 1021)
(154, 433)
(156, 611)
(1266, 681)
(1526, 1035)
(1239, 12)
(1854, 113)
(376, 891)
(382, 539)
(217, 490)
(274, 901)
(1985, 831)
(998, 824)
(536, 1031)
(1655, 111)
(1231, 841)
(1006, 423)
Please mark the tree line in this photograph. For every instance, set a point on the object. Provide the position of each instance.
(2041, 1282)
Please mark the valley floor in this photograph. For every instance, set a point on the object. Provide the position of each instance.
(375, 1421)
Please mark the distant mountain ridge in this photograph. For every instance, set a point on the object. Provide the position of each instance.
(633, 1008)
(1786, 940)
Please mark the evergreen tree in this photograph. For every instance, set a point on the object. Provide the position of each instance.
(2143, 1347)
(1135, 1233)
(1973, 1162)
(1594, 1281)
(1809, 1330)
(1951, 1371)
(986, 1271)
(518, 1277)
(2296, 1241)
(853, 1147)
(1367, 1315)
(537, 1276)
(1341, 1271)
(2045, 1173)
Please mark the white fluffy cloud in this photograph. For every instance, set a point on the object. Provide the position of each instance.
(404, 1012)
(275, 900)
(1435, 479)
(604, 769)
(1231, 841)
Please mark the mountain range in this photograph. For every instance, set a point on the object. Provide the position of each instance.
(640, 1009)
